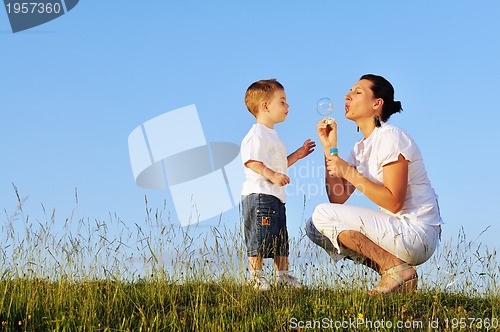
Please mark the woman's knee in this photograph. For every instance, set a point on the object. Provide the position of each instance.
(317, 236)
(322, 213)
(311, 230)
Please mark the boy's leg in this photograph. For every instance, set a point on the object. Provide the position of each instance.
(255, 263)
(281, 263)
(283, 277)
(281, 250)
(256, 279)
(250, 206)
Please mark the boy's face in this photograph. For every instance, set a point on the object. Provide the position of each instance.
(277, 108)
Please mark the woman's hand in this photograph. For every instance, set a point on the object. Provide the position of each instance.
(336, 166)
(327, 134)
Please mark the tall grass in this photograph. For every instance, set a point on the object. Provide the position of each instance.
(104, 275)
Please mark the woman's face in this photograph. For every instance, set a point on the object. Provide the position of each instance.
(360, 101)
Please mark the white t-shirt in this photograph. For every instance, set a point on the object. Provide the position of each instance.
(384, 146)
(263, 144)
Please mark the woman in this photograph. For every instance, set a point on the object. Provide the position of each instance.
(387, 167)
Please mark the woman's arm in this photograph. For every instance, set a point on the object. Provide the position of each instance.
(338, 189)
(391, 195)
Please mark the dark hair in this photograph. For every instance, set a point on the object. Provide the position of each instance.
(382, 88)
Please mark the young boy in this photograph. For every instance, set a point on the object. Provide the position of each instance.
(263, 196)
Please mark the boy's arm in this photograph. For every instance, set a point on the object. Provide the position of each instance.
(277, 178)
(301, 152)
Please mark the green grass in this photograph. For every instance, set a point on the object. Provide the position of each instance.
(158, 305)
(92, 275)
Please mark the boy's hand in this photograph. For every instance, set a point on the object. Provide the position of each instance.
(277, 178)
(306, 149)
(280, 179)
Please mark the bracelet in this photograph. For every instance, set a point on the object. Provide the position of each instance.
(334, 152)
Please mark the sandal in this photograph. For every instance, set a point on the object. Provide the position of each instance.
(405, 286)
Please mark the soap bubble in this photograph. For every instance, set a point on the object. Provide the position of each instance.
(324, 107)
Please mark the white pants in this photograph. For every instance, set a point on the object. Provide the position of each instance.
(412, 242)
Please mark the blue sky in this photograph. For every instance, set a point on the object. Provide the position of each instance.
(73, 89)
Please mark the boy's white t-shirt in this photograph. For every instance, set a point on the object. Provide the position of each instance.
(384, 146)
(263, 144)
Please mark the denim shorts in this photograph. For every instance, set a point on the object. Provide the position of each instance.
(264, 217)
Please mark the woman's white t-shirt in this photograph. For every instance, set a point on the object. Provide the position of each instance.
(384, 146)
(263, 144)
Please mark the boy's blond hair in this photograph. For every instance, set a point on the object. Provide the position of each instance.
(259, 91)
